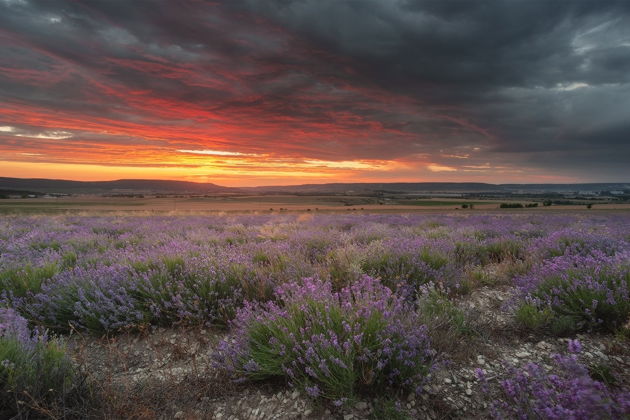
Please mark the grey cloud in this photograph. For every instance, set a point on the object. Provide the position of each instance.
(505, 67)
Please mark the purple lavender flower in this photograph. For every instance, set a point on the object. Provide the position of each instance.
(567, 393)
(574, 346)
(312, 312)
(312, 391)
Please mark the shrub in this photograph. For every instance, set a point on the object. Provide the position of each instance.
(27, 279)
(389, 409)
(532, 318)
(35, 374)
(511, 206)
(331, 345)
(192, 291)
(95, 299)
(411, 264)
(343, 266)
(580, 292)
(577, 242)
(109, 298)
(531, 392)
(447, 324)
(488, 252)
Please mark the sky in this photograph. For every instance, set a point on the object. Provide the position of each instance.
(262, 92)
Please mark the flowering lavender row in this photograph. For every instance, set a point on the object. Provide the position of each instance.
(569, 392)
(33, 369)
(579, 292)
(331, 345)
(105, 273)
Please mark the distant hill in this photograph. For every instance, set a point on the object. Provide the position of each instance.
(435, 187)
(389, 187)
(122, 186)
(610, 186)
(147, 186)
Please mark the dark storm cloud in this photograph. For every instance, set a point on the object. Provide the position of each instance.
(542, 84)
(540, 76)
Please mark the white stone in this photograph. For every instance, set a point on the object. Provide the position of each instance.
(361, 405)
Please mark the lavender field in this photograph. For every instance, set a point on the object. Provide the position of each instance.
(518, 315)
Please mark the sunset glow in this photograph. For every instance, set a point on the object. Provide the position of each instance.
(240, 94)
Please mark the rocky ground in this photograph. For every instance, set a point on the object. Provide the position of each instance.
(167, 373)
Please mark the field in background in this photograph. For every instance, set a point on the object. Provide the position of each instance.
(87, 204)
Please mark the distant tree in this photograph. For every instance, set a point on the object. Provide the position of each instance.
(547, 203)
(464, 206)
(589, 205)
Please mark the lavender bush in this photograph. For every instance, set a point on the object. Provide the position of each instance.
(579, 240)
(577, 292)
(411, 263)
(332, 345)
(36, 377)
(568, 392)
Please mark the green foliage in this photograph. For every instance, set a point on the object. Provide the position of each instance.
(480, 277)
(35, 379)
(333, 346)
(448, 325)
(414, 268)
(532, 318)
(603, 372)
(342, 381)
(316, 248)
(69, 260)
(196, 293)
(41, 246)
(435, 260)
(388, 409)
(499, 251)
(488, 253)
(564, 325)
(27, 279)
(623, 333)
(343, 266)
(576, 310)
(511, 206)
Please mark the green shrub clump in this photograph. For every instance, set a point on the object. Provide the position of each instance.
(331, 345)
(36, 376)
(576, 292)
